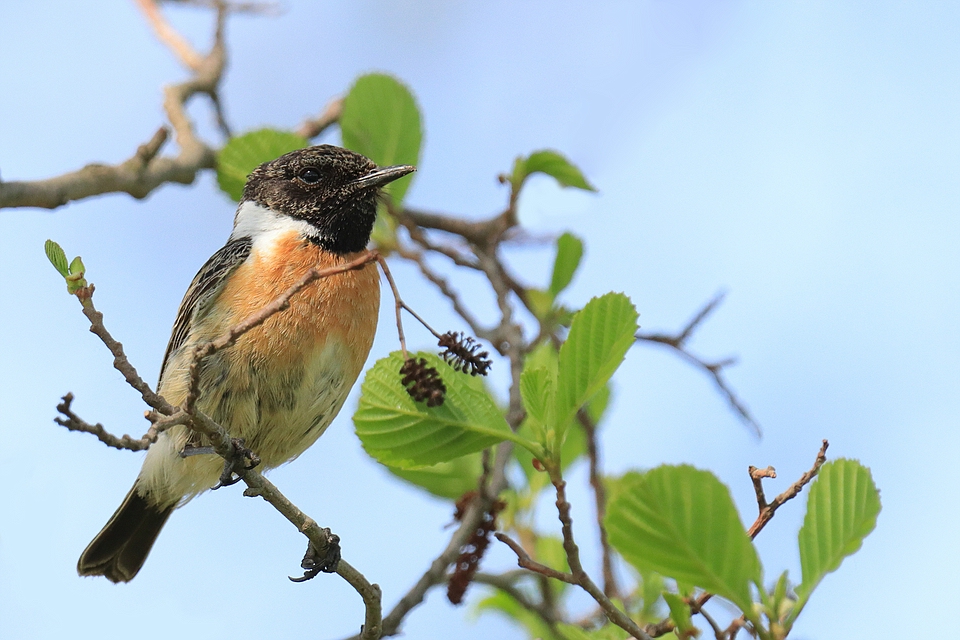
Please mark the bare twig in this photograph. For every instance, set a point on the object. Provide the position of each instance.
(480, 233)
(187, 55)
(73, 422)
(766, 514)
(717, 631)
(600, 498)
(120, 361)
(756, 476)
(444, 287)
(313, 127)
(437, 570)
(419, 237)
(257, 485)
(715, 369)
(525, 561)
(144, 171)
(615, 615)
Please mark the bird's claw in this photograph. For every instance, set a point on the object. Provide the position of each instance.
(243, 459)
(315, 563)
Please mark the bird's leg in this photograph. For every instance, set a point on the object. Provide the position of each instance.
(315, 562)
(242, 459)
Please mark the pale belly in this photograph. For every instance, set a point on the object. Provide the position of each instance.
(278, 413)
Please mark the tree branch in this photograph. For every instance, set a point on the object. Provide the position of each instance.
(144, 171)
(313, 127)
(767, 511)
(715, 369)
(600, 498)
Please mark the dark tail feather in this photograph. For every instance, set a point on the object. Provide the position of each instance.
(120, 549)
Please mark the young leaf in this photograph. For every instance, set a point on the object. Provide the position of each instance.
(608, 631)
(681, 522)
(57, 257)
(541, 302)
(381, 120)
(400, 432)
(537, 391)
(551, 163)
(569, 253)
(512, 609)
(244, 153)
(446, 479)
(600, 335)
(679, 612)
(841, 510)
(574, 448)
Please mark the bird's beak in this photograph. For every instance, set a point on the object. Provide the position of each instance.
(381, 176)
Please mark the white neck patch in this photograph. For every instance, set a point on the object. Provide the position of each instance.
(264, 225)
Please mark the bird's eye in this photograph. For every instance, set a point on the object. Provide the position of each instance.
(310, 175)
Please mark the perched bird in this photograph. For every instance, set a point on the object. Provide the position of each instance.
(279, 387)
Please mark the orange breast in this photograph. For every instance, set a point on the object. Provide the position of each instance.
(343, 307)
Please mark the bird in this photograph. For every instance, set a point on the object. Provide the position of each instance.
(282, 383)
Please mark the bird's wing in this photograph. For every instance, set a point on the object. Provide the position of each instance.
(205, 286)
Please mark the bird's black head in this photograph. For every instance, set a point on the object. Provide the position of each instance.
(332, 189)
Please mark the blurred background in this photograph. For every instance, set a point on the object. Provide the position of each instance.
(802, 156)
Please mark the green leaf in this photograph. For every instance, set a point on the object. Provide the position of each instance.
(679, 612)
(381, 120)
(57, 257)
(400, 432)
(597, 406)
(600, 335)
(681, 522)
(541, 302)
(506, 605)
(569, 253)
(446, 479)
(244, 153)
(842, 509)
(384, 235)
(537, 391)
(77, 268)
(608, 631)
(551, 163)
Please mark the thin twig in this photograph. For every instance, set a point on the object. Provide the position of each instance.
(120, 361)
(756, 476)
(615, 615)
(717, 631)
(313, 127)
(678, 341)
(436, 572)
(182, 49)
(145, 171)
(524, 560)
(443, 286)
(419, 237)
(600, 498)
(73, 422)
(792, 491)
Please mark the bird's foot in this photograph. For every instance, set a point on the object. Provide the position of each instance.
(314, 562)
(243, 459)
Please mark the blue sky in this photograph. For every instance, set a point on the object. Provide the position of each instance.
(802, 156)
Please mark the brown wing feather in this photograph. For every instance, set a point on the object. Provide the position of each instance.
(206, 285)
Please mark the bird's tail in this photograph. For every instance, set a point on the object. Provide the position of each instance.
(120, 549)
